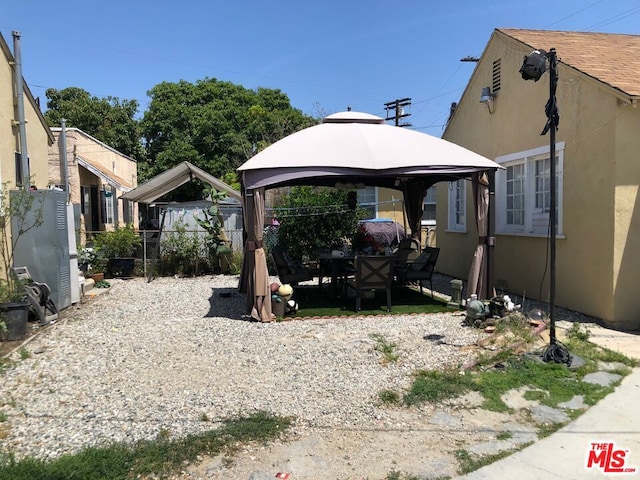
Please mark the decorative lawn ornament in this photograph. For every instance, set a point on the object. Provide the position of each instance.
(292, 306)
(285, 291)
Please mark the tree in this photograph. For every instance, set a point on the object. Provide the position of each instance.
(109, 119)
(312, 218)
(213, 124)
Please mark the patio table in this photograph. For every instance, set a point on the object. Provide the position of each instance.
(337, 266)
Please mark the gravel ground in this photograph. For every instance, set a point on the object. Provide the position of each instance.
(173, 356)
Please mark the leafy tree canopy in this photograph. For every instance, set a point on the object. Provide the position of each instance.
(312, 218)
(213, 124)
(109, 119)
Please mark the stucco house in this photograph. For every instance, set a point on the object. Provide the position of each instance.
(98, 175)
(38, 135)
(598, 171)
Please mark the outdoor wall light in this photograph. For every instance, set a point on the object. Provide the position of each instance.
(487, 97)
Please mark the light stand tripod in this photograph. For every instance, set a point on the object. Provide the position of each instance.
(533, 67)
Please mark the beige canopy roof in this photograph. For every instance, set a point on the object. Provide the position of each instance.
(172, 179)
(359, 148)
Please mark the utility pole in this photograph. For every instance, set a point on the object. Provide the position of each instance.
(398, 111)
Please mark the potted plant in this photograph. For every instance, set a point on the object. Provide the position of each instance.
(19, 213)
(91, 264)
(118, 247)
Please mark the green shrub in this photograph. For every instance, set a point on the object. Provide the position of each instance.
(184, 252)
(312, 218)
(119, 243)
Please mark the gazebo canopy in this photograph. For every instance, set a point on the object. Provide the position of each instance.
(359, 148)
(347, 149)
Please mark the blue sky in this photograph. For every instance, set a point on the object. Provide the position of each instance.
(323, 55)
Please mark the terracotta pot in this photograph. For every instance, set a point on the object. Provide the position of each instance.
(97, 277)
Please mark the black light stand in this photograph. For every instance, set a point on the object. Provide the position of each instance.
(533, 67)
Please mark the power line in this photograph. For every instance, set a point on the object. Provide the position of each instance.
(573, 14)
(615, 18)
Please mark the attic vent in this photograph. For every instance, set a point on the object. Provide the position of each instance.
(496, 75)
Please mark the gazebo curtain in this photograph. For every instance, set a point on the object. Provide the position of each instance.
(254, 278)
(477, 282)
(414, 193)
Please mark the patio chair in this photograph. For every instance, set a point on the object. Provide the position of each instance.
(371, 274)
(291, 271)
(420, 269)
(408, 251)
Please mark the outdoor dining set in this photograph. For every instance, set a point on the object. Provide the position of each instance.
(356, 275)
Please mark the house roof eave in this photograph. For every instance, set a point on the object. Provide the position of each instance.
(110, 178)
(11, 59)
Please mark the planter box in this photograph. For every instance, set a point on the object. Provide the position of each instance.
(120, 267)
(15, 315)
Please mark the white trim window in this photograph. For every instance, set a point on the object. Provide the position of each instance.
(107, 198)
(457, 206)
(367, 200)
(429, 207)
(523, 192)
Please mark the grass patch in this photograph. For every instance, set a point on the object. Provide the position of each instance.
(315, 302)
(157, 457)
(396, 475)
(433, 386)
(5, 364)
(549, 383)
(389, 397)
(469, 462)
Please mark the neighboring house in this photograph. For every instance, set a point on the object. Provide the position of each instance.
(39, 137)
(97, 176)
(598, 172)
(44, 250)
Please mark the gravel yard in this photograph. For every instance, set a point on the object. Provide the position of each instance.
(174, 356)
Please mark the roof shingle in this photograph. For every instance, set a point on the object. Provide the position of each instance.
(613, 59)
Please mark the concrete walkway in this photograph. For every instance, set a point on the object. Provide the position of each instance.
(614, 421)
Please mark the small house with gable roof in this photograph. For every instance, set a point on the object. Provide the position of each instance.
(597, 153)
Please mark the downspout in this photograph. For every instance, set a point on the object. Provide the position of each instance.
(64, 168)
(24, 156)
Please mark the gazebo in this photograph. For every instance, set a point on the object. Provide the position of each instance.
(350, 148)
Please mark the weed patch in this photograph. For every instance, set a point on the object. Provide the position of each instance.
(386, 348)
(433, 386)
(469, 462)
(549, 383)
(389, 397)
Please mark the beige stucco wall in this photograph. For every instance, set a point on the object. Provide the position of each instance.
(626, 258)
(600, 179)
(37, 136)
(82, 145)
